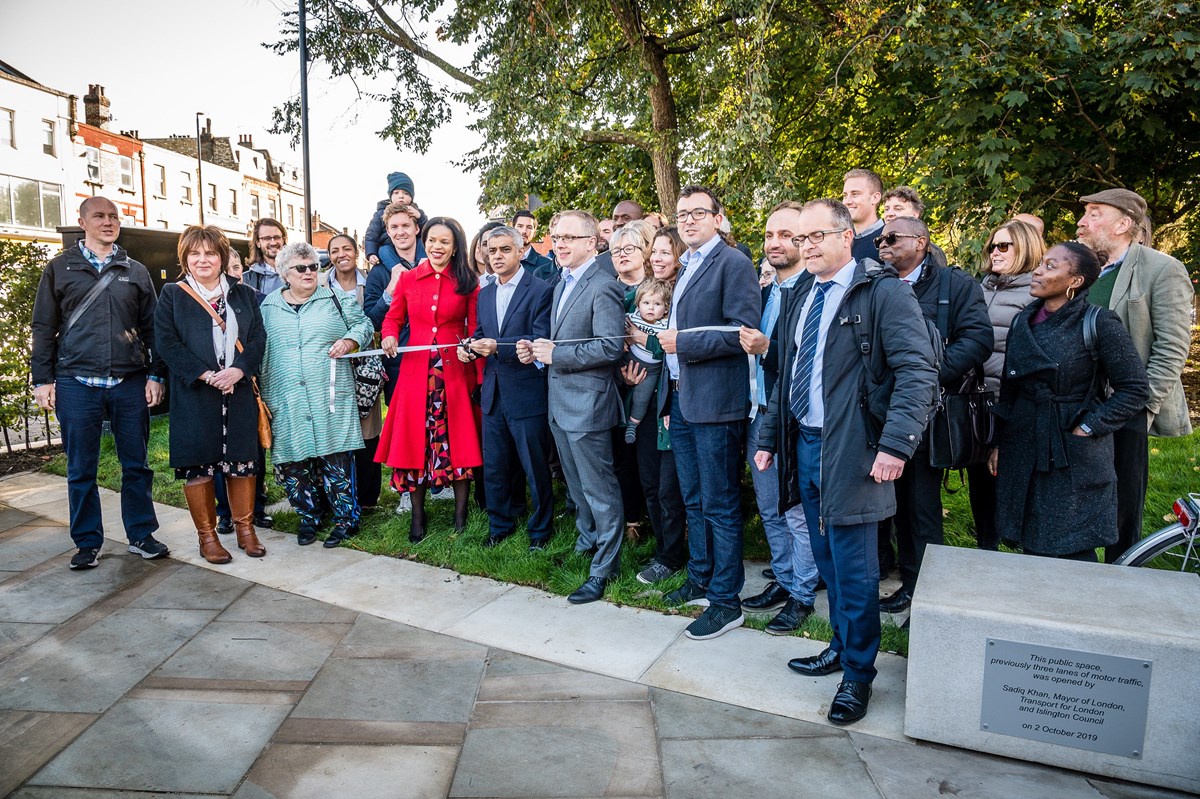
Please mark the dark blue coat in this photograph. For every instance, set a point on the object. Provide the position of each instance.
(518, 389)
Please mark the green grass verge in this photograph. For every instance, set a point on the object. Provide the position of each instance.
(1173, 471)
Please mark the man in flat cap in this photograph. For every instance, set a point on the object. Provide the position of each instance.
(1152, 294)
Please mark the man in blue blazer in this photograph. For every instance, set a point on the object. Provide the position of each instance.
(516, 428)
(706, 392)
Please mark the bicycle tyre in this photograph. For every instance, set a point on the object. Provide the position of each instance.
(1164, 549)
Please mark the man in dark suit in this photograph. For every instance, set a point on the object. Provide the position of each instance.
(706, 391)
(516, 430)
(583, 400)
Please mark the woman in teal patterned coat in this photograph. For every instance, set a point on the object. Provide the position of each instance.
(315, 429)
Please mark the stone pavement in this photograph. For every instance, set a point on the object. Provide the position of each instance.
(315, 673)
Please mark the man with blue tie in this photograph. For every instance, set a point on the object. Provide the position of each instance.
(856, 384)
(516, 430)
(793, 588)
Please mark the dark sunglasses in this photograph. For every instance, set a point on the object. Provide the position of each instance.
(890, 239)
(302, 268)
(1002, 246)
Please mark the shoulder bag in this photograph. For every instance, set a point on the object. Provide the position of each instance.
(369, 374)
(264, 415)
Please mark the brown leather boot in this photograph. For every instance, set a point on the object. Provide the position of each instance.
(202, 503)
(241, 508)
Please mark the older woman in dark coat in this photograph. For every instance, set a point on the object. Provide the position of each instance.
(215, 429)
(1055, 482)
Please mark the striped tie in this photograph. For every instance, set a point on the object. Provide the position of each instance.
(802, 377)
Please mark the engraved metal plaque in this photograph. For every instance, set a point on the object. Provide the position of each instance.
(1065, 697)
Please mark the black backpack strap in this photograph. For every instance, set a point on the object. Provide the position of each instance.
(106, 277)
(943, 308)
(1089, 331)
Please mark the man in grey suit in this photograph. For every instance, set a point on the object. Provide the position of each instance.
(584, 404)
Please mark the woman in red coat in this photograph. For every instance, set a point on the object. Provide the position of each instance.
(431, 434)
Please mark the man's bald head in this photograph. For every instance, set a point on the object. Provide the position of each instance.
(910, 224)
(97, 203)
(1033, 221)
(626, 211)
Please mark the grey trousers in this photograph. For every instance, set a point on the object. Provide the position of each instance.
(587, 464)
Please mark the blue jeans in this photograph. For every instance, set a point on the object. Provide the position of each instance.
(787, 535)
(81, 411)
(848, 557)
(708, 457)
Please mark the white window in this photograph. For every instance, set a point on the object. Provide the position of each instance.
(233, 202)
(93, 164)
(48, 144)
(30, 203)
(187, 187)
(161, 172)
(8, 128)
(126, 172)
(212, 196)
(291, 215)
(51, 205)
(274, 208)
(254, 208)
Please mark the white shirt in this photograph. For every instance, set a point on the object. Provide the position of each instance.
(835, 290)
(576, 274)
(504, 295)
(914, 275)
(691, 264)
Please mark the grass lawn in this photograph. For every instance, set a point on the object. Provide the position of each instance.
(1173, 471)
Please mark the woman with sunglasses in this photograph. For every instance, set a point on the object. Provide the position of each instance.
(314, 413)
(1012, 252)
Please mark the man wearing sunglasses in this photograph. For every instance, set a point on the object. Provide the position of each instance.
(968, 336)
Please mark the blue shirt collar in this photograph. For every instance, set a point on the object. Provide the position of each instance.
(701, 252)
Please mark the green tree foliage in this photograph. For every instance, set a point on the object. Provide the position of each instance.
(988, 108)
(21, 265)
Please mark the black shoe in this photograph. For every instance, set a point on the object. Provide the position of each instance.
(538, 544)
(263, 521)
(773, 596)
(86, 558)
(850, 702)
(224, 525)
(897, 602)
(335, 538)
(416, 534)
(149, 548)
(590, 591)
(818, 665)
(769, 573)
(306, 537)
(788, 620)
(495, 540)
(688, 594)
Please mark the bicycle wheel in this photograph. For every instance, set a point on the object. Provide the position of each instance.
(1171, 548)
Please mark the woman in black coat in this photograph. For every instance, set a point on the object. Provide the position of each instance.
(214, 414)
(1055, 482)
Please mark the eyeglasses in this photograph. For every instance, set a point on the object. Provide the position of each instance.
(1002, 246)
(565, 239)
(302, 268)
(890, 239)
(270, 239)
(628, 249)
(699, 214)
(816, 237)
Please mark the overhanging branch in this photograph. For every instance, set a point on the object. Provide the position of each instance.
(401, 38)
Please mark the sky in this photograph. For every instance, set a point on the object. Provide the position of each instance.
(161, 61)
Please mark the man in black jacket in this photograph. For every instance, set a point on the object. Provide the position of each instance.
(834, 455)
(93, 356)
(967, 336)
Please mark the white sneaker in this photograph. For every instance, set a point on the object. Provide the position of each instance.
(439, 494)
(405, 505)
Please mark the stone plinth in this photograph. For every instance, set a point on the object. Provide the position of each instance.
(971, 605)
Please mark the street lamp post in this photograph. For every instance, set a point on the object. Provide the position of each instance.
(304, 122)
(199, 170)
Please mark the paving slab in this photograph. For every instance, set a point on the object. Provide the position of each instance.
(681, 716)
(561, 686)
(255, 651)
(55, 595)
(749, 668)
(28, 739)
(306, 771)
(373, 637)
(14, 635)
(390, 690)
(12, 517)
(501, 662)
(408, 592)
(554, 749)
(92, 670)
(268, 604)
(193, 588)
(147, 745)
(59, 792)
(34, 546)
(768, 768)
(599, 637)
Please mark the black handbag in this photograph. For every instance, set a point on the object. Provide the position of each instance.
(369, 372)
(960, 428)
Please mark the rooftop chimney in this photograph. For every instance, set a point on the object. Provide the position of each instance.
(246, 139)
(95, 107)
